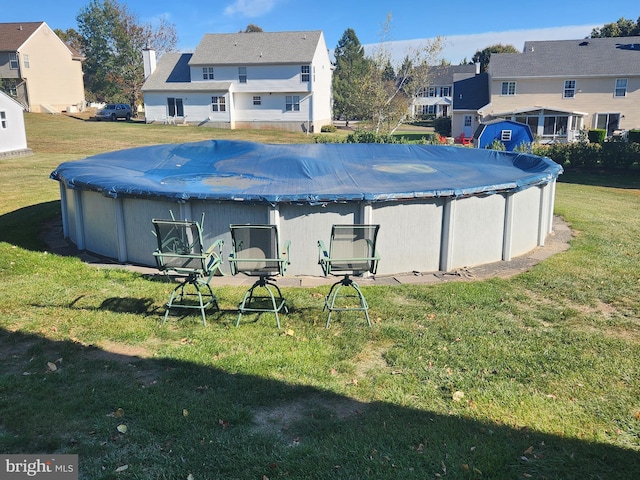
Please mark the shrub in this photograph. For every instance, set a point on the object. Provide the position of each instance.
(442, 126)
(328, 128)
(633, 136)
(496, 145)
(597, 135)
(364, 136)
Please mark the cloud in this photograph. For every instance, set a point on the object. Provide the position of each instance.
(250, 8)
(458, 47)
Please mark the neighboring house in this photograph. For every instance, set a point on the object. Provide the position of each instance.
(13, 138)
(562, 86)
(435, 99)
(39, 70)
(243, 80)
(511, 134)
(471, 96)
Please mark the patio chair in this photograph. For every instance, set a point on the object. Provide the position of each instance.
(180, 250)
(352, 251)
(256, 252)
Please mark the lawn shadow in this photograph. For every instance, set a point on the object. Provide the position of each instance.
(167, 418)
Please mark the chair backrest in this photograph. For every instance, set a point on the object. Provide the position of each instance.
(353, 248)
(255, 250)
(179, 246)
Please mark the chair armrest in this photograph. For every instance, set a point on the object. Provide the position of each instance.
(213, 260)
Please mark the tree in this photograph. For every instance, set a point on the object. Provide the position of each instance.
(621, 28)
(251, 28)
(483, 56)
(71, 37)
(389, 102)
(350, 66)
(112, 43)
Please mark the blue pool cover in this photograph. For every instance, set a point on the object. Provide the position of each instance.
(304, 173)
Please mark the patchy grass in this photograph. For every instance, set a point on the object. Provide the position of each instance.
(530, 377)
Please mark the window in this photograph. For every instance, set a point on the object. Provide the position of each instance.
(219, 104)
(175, 107)
(242, 74)
(3, 120)
(304, 73)
(505, 135)
(25, 61)
(292, 103)
(207, 73)
(569, 89)
(445, 92)
(621, 87)
(257, 100)
(555, 126)
(13, 61)
(608, 121)
(508, 88)
(431, 92)
(467, 120)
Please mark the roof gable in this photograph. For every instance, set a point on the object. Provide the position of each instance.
(14, 35)
(257, 48)
(584, 57)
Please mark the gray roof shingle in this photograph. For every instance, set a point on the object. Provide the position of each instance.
(256, 48)
(172, 73)
(613, 56)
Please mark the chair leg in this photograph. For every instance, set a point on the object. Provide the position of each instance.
(332, 296)
(178, 296)
(276, 304)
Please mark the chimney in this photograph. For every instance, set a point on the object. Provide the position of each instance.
(149, 58)
(477, 68)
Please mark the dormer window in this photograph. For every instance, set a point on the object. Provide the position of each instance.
(305, 73)
(207, 73)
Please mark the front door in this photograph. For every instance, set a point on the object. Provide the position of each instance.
(467, 127)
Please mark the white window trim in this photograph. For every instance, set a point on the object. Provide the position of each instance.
(616, 88)
(568, 88)
(13, 61)
(208, 73)
(292, 103)
(218, 103)
(305, 73)
(505, 135)
(242, 74)
(508, 84)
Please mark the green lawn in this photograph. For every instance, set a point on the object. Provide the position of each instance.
(536, 376)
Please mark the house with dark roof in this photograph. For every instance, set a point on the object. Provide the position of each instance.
(39, 70)
(436, 98)
(562, 86)
(243, 80)
(471, 96)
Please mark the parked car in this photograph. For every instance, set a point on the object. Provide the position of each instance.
(114, 111)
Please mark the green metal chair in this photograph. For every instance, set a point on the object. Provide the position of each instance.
(352, 251)
(256, 252)
(180, 250)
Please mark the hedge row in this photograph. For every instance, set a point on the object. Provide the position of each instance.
(608, 155)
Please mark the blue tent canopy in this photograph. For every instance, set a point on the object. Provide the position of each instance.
(303, 173)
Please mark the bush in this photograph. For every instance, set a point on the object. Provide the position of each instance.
(633, 136)
(328, 128)
(596, 135)
(442, 126)
(364, 136)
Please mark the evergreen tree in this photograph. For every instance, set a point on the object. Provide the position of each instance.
(350, 66)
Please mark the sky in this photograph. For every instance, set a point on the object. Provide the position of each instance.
(464, 26)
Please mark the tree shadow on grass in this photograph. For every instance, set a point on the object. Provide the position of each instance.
(166, 418)
(23, 227)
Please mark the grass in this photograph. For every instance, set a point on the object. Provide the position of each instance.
(530, 377)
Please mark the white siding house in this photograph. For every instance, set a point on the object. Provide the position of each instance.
(244, 80)
(13, 138)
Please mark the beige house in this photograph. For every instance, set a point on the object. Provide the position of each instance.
(560, 87)
(39, 70)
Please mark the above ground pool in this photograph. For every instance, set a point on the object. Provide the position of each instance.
(439, 207)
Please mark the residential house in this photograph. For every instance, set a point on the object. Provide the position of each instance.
(244, 80)
(562, 86)
(435, 99)
(38, 69)
(471, 96)
(13, 137)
